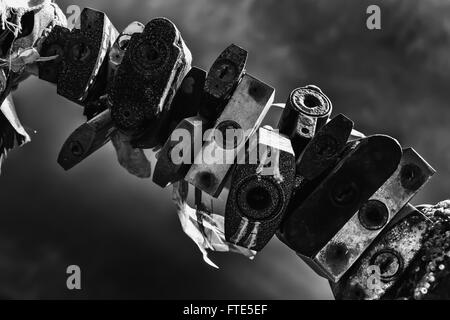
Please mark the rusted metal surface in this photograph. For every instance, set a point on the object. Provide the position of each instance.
(339, 199)
(145, 83)
(391, 255)
(428, 276)
(80, 72)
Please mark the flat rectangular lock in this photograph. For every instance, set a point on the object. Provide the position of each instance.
(258, 200)
(366, 165)
(184, 143)
(80, 71)
(240, 119)
(374, 215)
(87, 139)
(307, 110)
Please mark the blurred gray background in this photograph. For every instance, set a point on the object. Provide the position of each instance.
(124, 233)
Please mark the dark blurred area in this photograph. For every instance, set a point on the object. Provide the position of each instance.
(124, 232)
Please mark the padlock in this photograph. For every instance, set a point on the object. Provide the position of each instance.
(223, 77)
(81, 69)
(379, 270)
(119, 48)
(87, 139)
(365, 167)
(374, 215)
(184, 143)
(240, 119)
(184, 105)
(54, 45)
(307, 110)
(205, 94)
(325, 148)
(146, 81)
(258, 200)
(319, 157)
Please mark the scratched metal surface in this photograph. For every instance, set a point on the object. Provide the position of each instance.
(124, 232)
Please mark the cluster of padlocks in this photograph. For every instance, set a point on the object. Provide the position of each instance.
(337, 198)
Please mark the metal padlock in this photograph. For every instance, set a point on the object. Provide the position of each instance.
(184, 105)
(81, 69)
(205, 94)
(223, 77)
(319, 157)
(377, 272)
(87, 139)
(184, 143)
(374, 215)
(119, 48)
(307, 110)
(324, 149)
(258, 200)
(241, 117)
(146, 81)
(366, 165)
